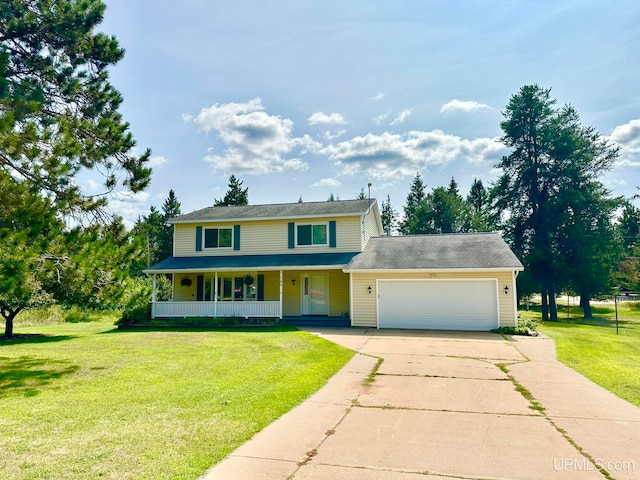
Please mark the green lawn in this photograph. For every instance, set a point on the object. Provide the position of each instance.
(88, 401)
(592, 347)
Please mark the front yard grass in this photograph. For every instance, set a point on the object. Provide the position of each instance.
(592, 348)
(88, 401)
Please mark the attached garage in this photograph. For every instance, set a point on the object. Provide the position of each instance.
(469, 304)
(438, 282)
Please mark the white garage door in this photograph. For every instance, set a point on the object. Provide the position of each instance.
(438, 304)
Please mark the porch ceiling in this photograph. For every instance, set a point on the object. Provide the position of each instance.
(253, 262)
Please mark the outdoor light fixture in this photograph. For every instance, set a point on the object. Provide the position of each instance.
(506, 290)
(293, 282)
(369, 289)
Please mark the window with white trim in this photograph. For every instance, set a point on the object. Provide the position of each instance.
(312, 234)
(218, 237)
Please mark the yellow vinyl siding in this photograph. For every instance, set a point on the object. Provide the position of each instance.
(184, 293)
(338, 293)
(291, 293)
(365, 306)
(271, 286)
(269, 237)
(370, 228)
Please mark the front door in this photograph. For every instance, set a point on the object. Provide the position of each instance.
(315, 298)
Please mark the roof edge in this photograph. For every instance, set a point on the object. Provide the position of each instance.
(433, 270)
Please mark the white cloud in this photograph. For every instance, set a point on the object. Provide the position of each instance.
(627, 136)
(156, 161)
(131, 197)
(129, 206)
(330, 118)
(619, 181)
(328, 135)
(401, 117)
(94, 186)
(388, 156)
(378, 96)
(627, 133)
(255, 142)
(463, 106)
(327, 182)
(380, 118)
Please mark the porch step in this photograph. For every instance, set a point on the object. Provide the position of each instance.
(318, 321)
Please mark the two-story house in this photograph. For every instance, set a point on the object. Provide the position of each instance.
(331, 259)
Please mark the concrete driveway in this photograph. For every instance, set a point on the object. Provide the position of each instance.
(446, 405)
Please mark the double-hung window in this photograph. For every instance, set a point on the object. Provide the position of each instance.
(218, 237)
(312, 234)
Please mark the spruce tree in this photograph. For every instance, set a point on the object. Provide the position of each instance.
(415, 199)
(235, 196)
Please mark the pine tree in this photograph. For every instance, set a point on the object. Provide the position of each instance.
(235, 196)
(170, 209)
(453, 187)
(362, 195)
(415, 198)
(478, 197)
(389, 216)
(554, 163)
(58, 111)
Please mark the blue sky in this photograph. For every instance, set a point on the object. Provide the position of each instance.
(308, 98)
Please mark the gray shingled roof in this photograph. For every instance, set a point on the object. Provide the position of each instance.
(278, 210)
(447, 251)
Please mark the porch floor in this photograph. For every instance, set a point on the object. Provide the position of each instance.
(317, 321)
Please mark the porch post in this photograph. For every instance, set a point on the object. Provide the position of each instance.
(153, 296)
(281, 284)
(215, 294)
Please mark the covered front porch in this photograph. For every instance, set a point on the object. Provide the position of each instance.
(301, 286)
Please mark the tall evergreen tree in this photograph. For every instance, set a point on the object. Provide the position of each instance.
(444, 211)
(59, 119)
(415, 198)
(235, 196)
(553, 158)
(453, 187)
(478, 197)
(362, 195)
(42, 261)
(480, 204)
(170, 209)
(389, 216)
(58, 112)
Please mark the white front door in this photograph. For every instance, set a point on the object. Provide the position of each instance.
(315, 298)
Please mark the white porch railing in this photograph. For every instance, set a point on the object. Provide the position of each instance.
(215, 309)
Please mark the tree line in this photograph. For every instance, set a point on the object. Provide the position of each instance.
(60, 120)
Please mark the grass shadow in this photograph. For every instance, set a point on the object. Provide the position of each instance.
(33, 338)
(28, 374)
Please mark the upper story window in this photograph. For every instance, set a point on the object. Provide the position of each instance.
(312, 234)
(218, 237)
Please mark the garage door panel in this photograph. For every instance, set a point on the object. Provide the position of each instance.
(437, 304)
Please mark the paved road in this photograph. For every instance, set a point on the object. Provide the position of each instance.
(446, 405)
